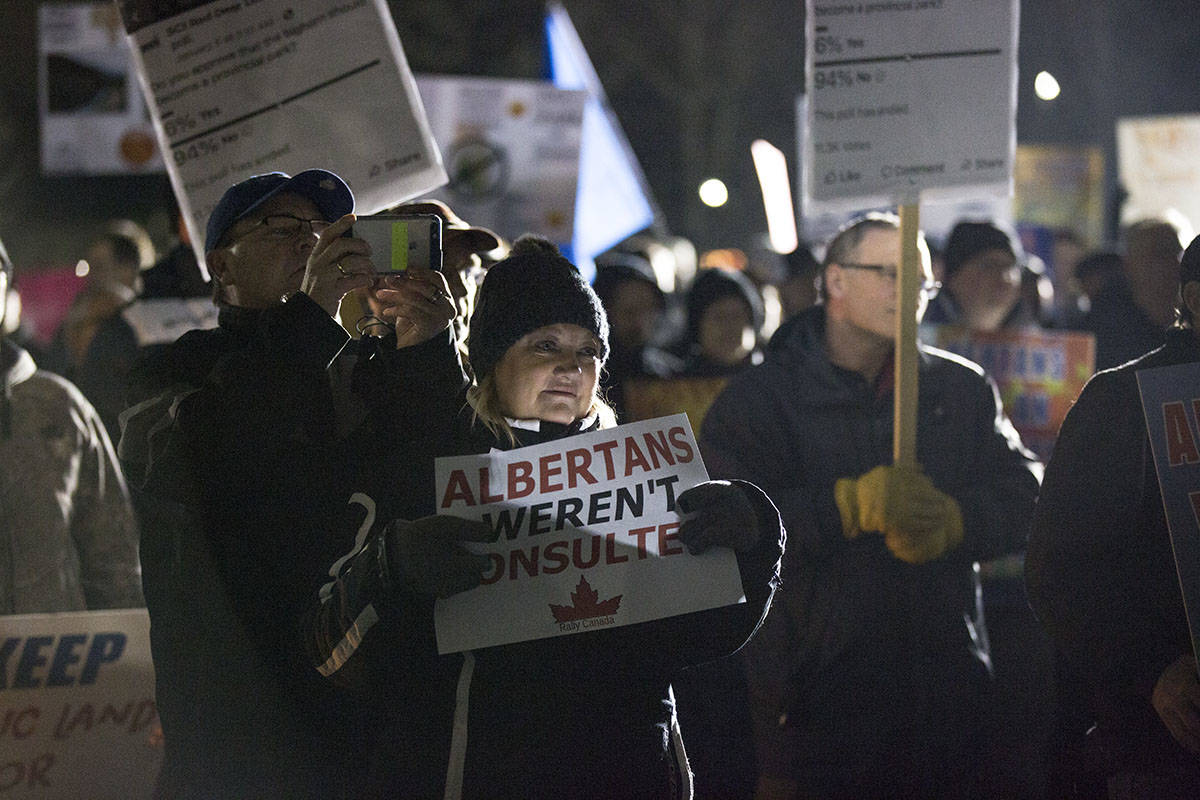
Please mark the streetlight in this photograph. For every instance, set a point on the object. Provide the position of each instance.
(713, 193)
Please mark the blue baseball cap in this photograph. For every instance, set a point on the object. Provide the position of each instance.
(330, 193)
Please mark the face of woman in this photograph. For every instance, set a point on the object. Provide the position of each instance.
(550, 373)
(726, 331)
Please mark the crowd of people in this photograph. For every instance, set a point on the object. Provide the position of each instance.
(259, 467)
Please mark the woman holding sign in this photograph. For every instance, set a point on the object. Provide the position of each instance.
(587, 712)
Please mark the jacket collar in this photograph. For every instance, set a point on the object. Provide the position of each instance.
(799, 348)
(237, 319)
(537, 431)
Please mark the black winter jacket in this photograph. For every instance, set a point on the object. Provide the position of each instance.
(1100, 572)
(246, 450)
(865, 656)
(583, 716)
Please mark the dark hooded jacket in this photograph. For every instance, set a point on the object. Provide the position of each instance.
(1100, 571)
(867, 659)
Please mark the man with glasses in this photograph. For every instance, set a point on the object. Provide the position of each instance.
(243, 444)
(870, 676)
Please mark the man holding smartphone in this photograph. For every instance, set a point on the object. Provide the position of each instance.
(242, 445)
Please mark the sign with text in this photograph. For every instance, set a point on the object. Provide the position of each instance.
(511, 150)
(241, 87)
(77, 713)
(93, 118)
(907, 97)
(1158, 163)
(586, 536)
(1039, 373)
(1171, 403)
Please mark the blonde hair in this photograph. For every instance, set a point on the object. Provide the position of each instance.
(484, 399)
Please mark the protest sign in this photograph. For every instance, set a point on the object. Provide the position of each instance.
(887, 83)
(77, 713)
(1060, 187)
(241, 87)
(1039, 373)
(93, 118)
(586, 536)
(1171, 403)
(511, 150)
(1158, 164)
(647, 398)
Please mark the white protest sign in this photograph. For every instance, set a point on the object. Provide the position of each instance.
(241, 87)
(77, 713)
(1158, 163)
(511, 150)
(907, 97)
(93, 118)
(587, 536)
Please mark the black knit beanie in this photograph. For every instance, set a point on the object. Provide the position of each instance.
(533, 287)
(716, 283)
(969, 239)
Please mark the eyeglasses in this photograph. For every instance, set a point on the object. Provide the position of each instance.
(929, 288)
(286, 226)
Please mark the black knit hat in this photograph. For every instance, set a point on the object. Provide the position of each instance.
(533, 287)
(715, 284)
(614, 269)
(968, 239)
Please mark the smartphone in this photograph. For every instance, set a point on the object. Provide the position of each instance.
(400, 241)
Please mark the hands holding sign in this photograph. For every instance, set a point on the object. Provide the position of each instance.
(717, 514)
(918, 521)
(426, 555)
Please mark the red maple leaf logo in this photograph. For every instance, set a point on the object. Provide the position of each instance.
(584, 604)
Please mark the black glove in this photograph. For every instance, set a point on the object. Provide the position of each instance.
(426, 555)
(720, 515)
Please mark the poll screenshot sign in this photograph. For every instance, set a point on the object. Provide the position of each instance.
(1171, 403)
(908, 98)
(586, 536)
(241, 87)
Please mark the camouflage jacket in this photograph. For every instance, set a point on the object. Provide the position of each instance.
(67, 530)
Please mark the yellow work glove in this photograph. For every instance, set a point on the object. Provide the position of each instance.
(918, 522)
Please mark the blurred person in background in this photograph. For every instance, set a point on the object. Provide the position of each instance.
(1129, 316)
(1093, 275)
(1067, 249)
(1037, 291)
(172, 300)
(637, 313)
(724, 318)
(798, 290)
(112, 266)
(981, 283)
(66, 524)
